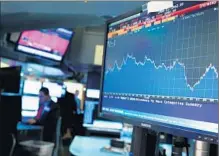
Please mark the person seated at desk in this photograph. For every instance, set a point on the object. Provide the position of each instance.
(47, 115)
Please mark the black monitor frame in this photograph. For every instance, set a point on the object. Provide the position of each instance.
(140, 122)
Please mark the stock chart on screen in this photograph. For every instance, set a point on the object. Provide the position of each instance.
(164, 63)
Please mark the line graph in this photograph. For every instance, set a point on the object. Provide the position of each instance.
(178, 59)
(117, 67)
(179, 79)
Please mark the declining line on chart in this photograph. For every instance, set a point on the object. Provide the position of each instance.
(116, 65)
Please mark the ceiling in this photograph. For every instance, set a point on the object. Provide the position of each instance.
(98, 8)
(18, 16)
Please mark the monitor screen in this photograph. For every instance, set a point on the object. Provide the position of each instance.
(30, 106)
(55, 89)
(93, 93)
(48, 43)
(10, 79)
(30, 103)
(161, 70)
(89, 111)
(91, 117)
(32, 87)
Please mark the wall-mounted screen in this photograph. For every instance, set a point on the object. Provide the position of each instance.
(48, 43)
(32, 87)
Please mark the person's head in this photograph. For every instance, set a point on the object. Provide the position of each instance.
(77, 93)
(44, 95)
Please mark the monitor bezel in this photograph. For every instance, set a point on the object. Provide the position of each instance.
(183, 132)
(38, 57)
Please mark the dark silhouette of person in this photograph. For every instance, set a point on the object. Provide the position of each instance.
(68, 108)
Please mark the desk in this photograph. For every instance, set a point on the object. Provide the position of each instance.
(22, 127)
(29, 132)
(104, 127)
(84, 146)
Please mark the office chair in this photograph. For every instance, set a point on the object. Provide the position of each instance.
(13, 145)
(58, 137)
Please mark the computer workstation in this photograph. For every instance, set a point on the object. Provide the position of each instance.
(30, 96)
(30, 81)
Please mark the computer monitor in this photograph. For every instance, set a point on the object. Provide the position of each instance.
(10, 108)
(32, 87)
(30, 106)
(55, 89)
(10, 79)
(90, 111)
(48, 43)
(93, 93)
(73, 87)
(92, 119)
(161, 70)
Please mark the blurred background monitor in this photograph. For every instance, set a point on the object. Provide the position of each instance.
(90, 111)
(30, 105)
(48, 43)
(32, 87)
(93, 93)
(10, 79)
(55, 89)
(10, 112)
(92, 118)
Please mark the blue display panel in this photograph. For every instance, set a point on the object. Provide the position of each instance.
(89, 114)
(163, 68)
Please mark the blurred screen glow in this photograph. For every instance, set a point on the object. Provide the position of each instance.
(32, 87)
(28, 113)
(93, 93)
(30, 103)
(55, 99)
(55, 89)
